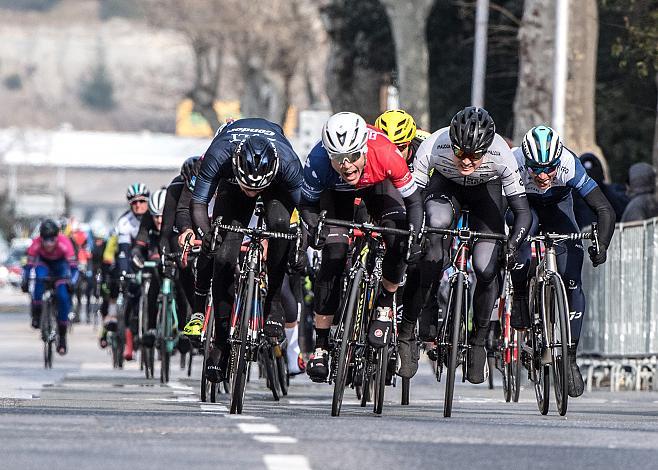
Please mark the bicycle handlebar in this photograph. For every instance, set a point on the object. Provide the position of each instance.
(366, 228)
(465, 234)
(259, 233)
(558, 237)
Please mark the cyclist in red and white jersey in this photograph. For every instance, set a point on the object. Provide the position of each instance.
(356, 160)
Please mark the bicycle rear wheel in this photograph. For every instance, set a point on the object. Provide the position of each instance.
(346, 344)
(281, 369)
(455, 318)
(238, 369)
(559, 352)
(271, 375)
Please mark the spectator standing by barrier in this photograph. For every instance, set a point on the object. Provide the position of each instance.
(613, 193)
(641, 188)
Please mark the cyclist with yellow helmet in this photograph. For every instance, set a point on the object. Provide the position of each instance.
(400, 127)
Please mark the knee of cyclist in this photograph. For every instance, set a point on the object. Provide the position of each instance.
(486, 274)
(438, 219)
(278, 222)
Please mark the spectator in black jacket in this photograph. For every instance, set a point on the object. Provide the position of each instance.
(615, 193)
(641, 189)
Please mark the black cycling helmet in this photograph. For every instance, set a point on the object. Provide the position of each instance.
(472, 130)
(255, 162)
(190, 170)
(48, 229)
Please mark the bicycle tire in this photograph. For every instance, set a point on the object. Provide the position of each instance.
(207, 385)
(238, 369)
(517, 338)
(189, 362)
(457, 295)
(346, 344)
(46, 328)
(491, 364)
(560, 354)
(271, 375)
(540, 372)
(406, 384)
(506, 356)
(380, 379)
(165, 356)
(282, 372)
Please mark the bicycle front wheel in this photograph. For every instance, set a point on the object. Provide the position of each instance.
(559, 322)
(381, 365)
(455, 319)
(540, 372)
(207, 385)
(238, 369)
(516, 338)
(346, 344)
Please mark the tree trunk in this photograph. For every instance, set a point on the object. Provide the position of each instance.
(408, 21)
(351, 86)
(580, 118)
(534, 92)
(655, 139)
(208, 65)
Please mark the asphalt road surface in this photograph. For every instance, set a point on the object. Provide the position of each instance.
(82, 414)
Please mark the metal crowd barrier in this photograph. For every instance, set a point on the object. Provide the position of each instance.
(618, 342)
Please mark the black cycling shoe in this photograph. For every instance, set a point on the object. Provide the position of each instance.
(576, 384)
(380, 329)
(407, 349)
(36, 316)
(273, 326)
(61, 340)
(148, 339)
(216, 365)
(317, 366)
(477, 360)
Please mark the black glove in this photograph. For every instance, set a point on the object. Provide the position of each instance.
(209, 244)
(511, 258)
(415, 253)
(25, 285)
(598, 257)
(296, 260)
(137, 257)
(321, 239)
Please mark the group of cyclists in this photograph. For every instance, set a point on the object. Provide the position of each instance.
(390, 173)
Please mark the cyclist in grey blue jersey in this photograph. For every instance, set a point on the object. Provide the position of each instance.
(551, 172)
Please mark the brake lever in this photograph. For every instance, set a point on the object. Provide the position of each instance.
(320, 226)
(595, 236)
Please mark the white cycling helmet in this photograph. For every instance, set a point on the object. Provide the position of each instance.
(157, 202)
(344, 133)
(542, 147)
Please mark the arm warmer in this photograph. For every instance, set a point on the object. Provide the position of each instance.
(605, 214)
(414, 206)
(522, 219)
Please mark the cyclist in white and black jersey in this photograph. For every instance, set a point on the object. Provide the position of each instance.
(127, 228)
(472, 167)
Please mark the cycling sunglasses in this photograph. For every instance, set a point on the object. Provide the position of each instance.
(134, 202)
(538, 170)
(341, 157)
(474, 156)
(403, 147)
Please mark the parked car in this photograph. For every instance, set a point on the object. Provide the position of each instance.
(16, 260)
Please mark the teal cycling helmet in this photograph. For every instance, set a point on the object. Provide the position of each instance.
(542, 147)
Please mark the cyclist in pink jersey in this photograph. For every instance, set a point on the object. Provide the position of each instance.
(51, 255)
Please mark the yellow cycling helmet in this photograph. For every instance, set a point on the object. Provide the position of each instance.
(398, 125)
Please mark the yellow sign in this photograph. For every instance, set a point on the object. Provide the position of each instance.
(190, 123)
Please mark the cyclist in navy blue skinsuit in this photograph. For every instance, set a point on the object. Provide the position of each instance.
(246, 159)
(551, 172)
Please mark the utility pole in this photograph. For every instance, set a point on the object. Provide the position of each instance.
(480, 53)
(561, 64)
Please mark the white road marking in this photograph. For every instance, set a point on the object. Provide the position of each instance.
(245, 417)
(258, 428)
(213, 407)
(269, 439)
(286, 462)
